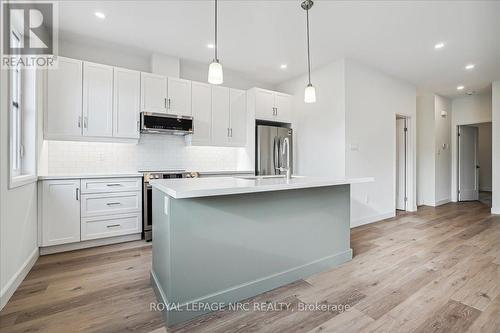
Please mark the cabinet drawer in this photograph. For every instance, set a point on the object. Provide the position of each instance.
(110, 185)
(110, 203)
(110, 226)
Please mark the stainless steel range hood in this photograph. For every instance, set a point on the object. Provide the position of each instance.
(162, 123)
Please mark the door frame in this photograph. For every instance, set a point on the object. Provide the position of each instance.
(458, 162)
(410, 157)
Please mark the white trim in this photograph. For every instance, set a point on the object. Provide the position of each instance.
(372, 219)
(14, 282)
(21, 180)
(89, 243)
(495, 210)
(441, 202)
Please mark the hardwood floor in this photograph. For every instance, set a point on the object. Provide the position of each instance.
(437, 270)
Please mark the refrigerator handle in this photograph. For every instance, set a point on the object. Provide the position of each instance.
(276, 155)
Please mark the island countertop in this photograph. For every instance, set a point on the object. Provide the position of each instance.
(204, 187)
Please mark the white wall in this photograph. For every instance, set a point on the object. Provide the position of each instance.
(373, 100)
(442, 151)
(319, 128)
(496, 147)
(18, 215)
(426, 176)
(351, 131)
(467, 110)
(484, 156)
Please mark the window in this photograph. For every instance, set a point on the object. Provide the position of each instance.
(16, 149)
(22, 122)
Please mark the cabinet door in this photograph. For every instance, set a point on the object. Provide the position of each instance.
(63, 117)
(153, 93)
(97, 100)
(60, 212)
(264, 104)
(179, 97)
(238, 117)
(220, 116)
(202, 112)
(126, 103)
(283, 104)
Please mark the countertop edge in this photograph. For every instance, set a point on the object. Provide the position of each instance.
(256, 189)
(90, 176)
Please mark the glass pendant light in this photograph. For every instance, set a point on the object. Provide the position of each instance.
(310, 91)
(215, 75)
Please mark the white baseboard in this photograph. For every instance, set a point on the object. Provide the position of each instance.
(495, 210)
(441, 202)
(14, 282)
(89, 243)
(373, 218)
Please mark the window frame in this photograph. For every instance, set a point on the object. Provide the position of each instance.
(19, 175)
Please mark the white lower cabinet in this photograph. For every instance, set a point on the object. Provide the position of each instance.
(60, 211)
(103, 210)
(103, 226)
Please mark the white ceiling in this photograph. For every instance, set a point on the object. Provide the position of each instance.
(255, 37)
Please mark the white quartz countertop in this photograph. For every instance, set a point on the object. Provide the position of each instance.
(204, 187)
(90, 175)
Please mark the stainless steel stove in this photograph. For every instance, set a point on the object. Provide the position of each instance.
(147, 193)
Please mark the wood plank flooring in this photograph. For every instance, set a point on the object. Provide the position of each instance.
(436, 270)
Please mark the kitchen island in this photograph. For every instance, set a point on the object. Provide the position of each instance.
(218, 241)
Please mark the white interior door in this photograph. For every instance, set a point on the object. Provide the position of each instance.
(468, 172)
(400, 164)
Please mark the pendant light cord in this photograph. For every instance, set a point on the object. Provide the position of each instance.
(308, 52)
(216, 30)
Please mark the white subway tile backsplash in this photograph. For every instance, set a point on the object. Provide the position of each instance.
(155, 152)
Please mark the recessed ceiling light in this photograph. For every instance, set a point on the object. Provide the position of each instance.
(439, 45)
(283, 66)
(470, 66)
(460, 88)
(100, 15)
(210, 46)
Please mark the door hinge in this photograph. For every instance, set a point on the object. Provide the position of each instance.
(406, 129)
(406, 198)
(458, 134)
(21, 151)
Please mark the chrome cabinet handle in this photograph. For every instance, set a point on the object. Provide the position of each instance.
(113, 225)
(165, 102)
(138, 126)
(276, 111)
(228, 132)
(85, 120)
(77, 194)
(169, 101)
(111, 185)
(231, 132)
(113, 203)
(79, 121)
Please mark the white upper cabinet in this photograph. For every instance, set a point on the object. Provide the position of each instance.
(153, 93)
(264, 104)
(283, 105)
(126, 105)
(60, 207)
(272, 105)
(201, 106)
(238, 117)
(63, 117)
(97, 100)
(179, 97)
(220, 116)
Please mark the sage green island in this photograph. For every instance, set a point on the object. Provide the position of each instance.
(222, 240)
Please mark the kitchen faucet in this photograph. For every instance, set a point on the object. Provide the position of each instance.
(285, 148)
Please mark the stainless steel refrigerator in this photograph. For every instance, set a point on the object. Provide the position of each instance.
(269, 149)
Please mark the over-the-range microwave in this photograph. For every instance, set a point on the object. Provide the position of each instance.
(162, 123)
